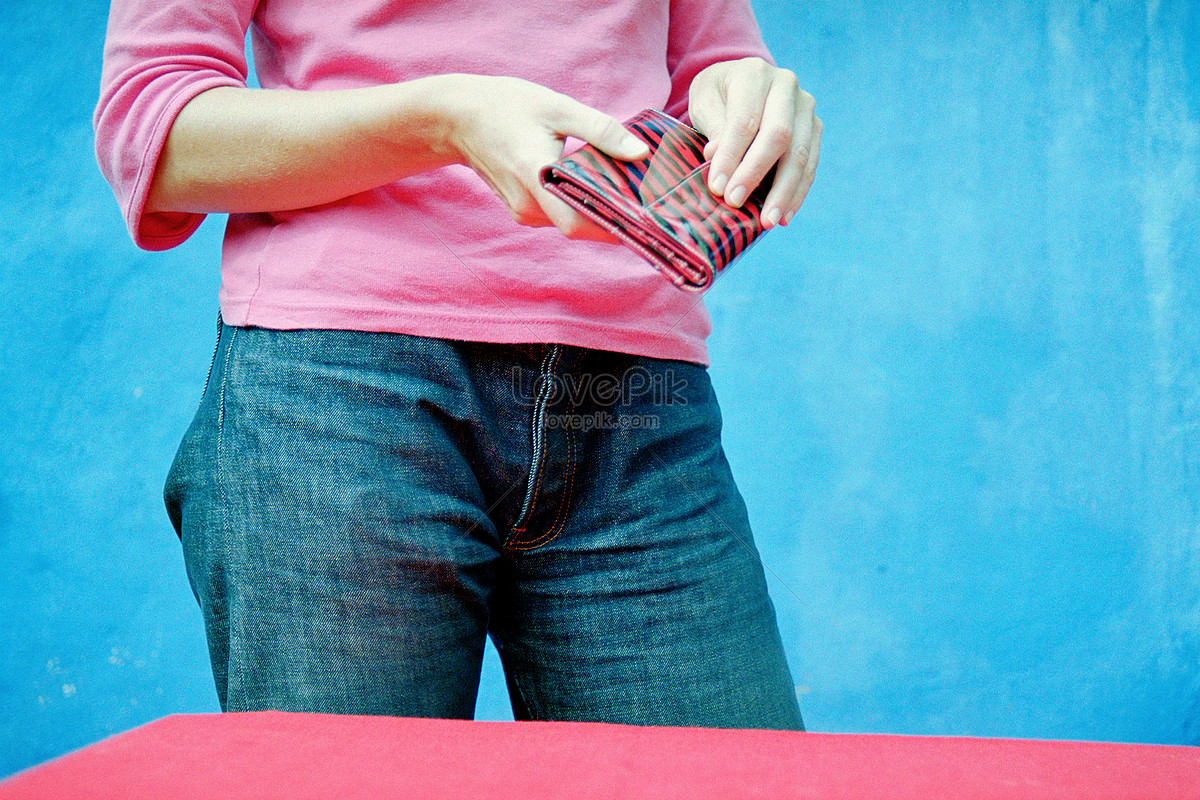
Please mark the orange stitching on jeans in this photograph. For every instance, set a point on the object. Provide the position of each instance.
(562, 508)
(541, 463)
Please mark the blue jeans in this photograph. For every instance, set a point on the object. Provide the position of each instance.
(358, 511)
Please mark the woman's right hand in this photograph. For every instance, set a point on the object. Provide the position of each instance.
(508, 129)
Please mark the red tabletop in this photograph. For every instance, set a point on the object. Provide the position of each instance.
(270, 754)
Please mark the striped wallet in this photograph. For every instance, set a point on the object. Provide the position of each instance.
(661, 206)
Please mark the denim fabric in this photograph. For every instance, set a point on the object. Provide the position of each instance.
(358, 511)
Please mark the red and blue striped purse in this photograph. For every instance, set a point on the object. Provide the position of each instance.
(661, 206)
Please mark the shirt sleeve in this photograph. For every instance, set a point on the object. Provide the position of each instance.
(158, 55)
(702, 33)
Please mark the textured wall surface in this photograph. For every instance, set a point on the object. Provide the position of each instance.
(961, 392)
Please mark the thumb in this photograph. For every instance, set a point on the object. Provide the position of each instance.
(602, 131)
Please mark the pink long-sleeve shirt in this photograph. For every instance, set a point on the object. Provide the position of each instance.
(434, 254)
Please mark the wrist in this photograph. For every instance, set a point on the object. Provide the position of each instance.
(442, 113)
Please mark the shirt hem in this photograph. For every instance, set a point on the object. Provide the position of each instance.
(670, 344)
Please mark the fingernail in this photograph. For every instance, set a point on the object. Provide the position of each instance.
(773, 216)
(788, 217)
(735, 197)
(634, 145)
(717, 184)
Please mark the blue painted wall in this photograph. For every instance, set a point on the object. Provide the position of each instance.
(961, 393)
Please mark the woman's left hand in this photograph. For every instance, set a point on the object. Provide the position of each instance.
(757, 117)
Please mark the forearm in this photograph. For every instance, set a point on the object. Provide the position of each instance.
(244, 150)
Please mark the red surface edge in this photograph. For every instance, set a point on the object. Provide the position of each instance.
(272, 754)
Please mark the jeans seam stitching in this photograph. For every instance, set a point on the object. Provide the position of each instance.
(539, 421)
(213, 360)
(516, 682)
(557, 526)
(221, 479)
(221, 432)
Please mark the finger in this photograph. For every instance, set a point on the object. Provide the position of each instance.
(513, 187)
(745, 93)
(777, 141)
(781, 198)
(600, 130)
(531, 212)
(810, 172)
(790, 182)
(526, 210)
(570, 222)
(540, 208)
(582, 228)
